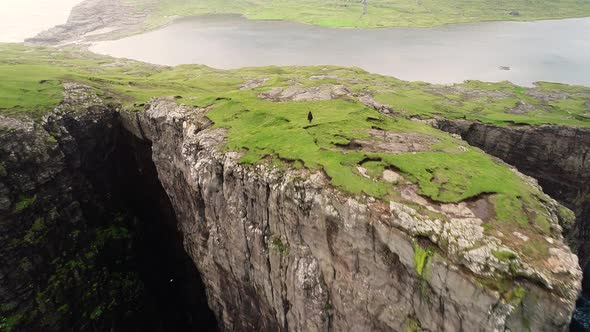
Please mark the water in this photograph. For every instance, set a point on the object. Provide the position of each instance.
(20, 19)
(581, 318)
(557, 50)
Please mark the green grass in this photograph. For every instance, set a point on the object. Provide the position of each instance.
(29, 88)
(481, 101)
(3, 171)
(505, 256)
(421, 258)
(24, 202)
(282, 248)
(378, 13)
(262, 128)
(449, 171)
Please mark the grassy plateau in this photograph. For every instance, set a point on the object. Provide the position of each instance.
(345, 137)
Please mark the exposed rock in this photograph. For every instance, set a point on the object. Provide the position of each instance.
(362, 171)
(253, 83)
(468, 93)
(521, 236)
(372, 103)
(561, 261)
(282, 250)
(297, 93)
(557, 156)
(75, 203)
(323, 77)
(391, 176)
(45, 197)
(522, 108)
(547, 96)
(92, 20)
(394, 143)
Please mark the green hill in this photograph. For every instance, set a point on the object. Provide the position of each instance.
(372, 13)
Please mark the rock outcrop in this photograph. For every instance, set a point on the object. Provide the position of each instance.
(282, 250)
(96, 20)
(558, 157)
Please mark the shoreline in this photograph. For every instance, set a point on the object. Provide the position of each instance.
(122, 19)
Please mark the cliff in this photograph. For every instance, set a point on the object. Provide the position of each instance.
(122, 210)
(280, 250)
(49, 209)
(83, 220)
(557, 156)
(277, 249)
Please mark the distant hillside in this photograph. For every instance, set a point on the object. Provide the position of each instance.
(111, 19)
(374, 13)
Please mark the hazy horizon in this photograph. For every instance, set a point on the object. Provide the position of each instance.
(20, 19)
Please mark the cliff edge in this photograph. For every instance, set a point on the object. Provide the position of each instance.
(282, 250)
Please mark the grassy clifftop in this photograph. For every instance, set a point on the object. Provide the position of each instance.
(30, 84)
(363, 137)
(371, 14)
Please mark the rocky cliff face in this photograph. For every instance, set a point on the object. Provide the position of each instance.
(83, 222)
(558, 157)
(280, 250)
(86, 205)
(44, 200)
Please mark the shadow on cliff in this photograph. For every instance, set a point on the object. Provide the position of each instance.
(176, 295)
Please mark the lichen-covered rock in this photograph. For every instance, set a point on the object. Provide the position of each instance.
(283, 250)
(557, 156)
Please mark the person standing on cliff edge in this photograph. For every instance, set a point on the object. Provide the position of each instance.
(309, 117)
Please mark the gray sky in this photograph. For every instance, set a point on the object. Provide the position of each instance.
(20, 19)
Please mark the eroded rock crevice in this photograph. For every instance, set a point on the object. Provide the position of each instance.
(89, 238)
(170, 276)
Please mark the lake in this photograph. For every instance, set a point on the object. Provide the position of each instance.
(521, 52)
(20, 19)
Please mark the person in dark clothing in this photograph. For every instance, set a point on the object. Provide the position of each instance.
(309, 117)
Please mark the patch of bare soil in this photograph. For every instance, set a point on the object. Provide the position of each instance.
(477, 207)
(395, 143)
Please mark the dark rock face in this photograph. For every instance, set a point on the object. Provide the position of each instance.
(558, 157)
(88, 238)
(45, 203)
(172, 281)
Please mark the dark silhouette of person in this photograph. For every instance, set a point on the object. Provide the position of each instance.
(309, 117)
